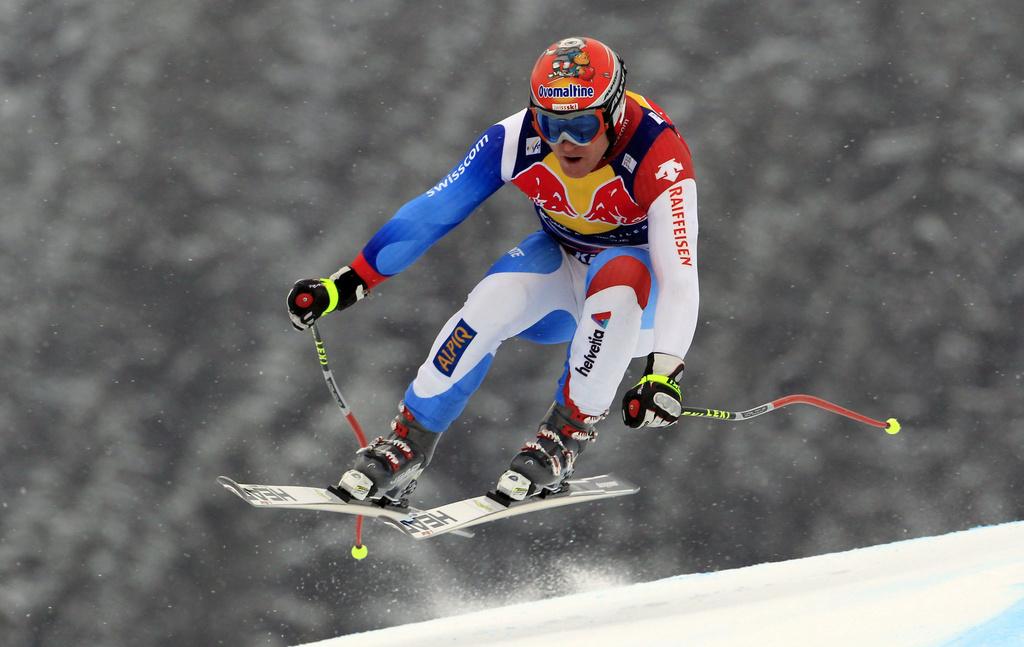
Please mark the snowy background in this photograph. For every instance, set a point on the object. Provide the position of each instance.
(169, 169)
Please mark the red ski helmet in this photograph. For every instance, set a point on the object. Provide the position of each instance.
(580, 74)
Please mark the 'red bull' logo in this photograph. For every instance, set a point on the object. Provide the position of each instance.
(594, 204)
(612, 204)
(545, 190)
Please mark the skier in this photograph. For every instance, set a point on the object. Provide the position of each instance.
(612, 271)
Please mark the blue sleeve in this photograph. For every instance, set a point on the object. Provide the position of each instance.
(422, 221)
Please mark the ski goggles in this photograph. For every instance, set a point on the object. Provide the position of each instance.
(580, 127)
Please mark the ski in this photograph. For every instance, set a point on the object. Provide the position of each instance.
(300, 497)
(452, 518)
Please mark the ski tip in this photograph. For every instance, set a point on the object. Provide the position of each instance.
(231, 486)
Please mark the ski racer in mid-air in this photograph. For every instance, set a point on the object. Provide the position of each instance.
(612, 271)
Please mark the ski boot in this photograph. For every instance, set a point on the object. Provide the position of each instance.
(543, 465)
(386, 470)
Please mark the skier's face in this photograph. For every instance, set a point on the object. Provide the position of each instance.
(577, 161)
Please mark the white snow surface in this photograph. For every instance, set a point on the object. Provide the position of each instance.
(957, 590)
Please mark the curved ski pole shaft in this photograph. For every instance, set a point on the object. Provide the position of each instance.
(891, 426)
(358, 549)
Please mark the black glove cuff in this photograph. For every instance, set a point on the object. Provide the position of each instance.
(351, 287)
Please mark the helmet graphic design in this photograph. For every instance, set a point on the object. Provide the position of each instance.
(580, 74)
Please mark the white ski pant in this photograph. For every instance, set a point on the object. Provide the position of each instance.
(537, 291)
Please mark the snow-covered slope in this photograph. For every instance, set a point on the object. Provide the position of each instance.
(961, 589)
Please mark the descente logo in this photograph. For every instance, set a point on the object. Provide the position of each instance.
(457, 172)
(571, 91)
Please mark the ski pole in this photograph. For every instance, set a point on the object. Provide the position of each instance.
(891, 426)
(359, 551)
(332, 385)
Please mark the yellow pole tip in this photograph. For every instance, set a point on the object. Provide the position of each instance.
(359, 552)
(892, 427)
